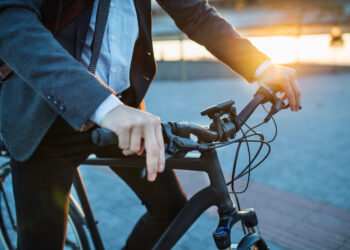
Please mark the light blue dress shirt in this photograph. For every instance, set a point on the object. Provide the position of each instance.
(113, 66)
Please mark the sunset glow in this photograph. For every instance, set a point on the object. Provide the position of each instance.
(281, 49)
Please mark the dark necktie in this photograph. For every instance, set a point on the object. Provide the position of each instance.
(100, 26)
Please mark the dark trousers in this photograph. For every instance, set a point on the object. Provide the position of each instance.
(42, 186)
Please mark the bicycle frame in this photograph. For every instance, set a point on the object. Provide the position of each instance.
(215, 194)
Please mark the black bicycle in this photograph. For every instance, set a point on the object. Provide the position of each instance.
(179, 138)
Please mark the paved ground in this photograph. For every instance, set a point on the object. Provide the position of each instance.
(307, 171)
(309, 159)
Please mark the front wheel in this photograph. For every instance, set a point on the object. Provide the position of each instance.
(252, 241)
(76, 238)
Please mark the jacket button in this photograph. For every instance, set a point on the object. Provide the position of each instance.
(149, 53)
(146, 78)
(55, 102)
(61, 108)
(49, 97)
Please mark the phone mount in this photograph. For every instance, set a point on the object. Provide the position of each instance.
(216, 113)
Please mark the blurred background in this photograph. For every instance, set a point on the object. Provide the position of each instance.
(291, 32)
(302, 191)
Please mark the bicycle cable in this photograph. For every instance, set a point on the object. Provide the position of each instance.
(251, 160)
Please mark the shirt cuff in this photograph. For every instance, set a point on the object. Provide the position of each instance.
(105, 107)
(262, 68)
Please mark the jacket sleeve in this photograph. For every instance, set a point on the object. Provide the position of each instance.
(34, 54)
(201, 23)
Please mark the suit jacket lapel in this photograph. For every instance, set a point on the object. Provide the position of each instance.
(143, 9)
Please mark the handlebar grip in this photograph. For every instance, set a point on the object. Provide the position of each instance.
(104, 137)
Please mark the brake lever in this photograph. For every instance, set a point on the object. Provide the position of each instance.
(277, 105)
(176, 144)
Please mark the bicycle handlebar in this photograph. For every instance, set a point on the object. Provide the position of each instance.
(178, 133)
(104, 137)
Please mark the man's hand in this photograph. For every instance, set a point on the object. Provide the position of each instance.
(286, 78)
(132, 126)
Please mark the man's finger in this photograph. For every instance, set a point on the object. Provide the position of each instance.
(135, 140)
(289, 92)
(160, 140)
(296, 90)
(152, 153)
(124, 138)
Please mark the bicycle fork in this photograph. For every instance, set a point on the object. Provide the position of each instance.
(216, 194)
(222, 235)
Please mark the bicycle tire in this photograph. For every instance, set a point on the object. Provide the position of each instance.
(77, 221)
(8, 233)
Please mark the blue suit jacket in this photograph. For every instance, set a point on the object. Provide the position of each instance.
(49, 81)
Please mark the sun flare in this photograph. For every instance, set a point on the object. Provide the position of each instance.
(281, 49)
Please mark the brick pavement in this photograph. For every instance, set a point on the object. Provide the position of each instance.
(289, 220)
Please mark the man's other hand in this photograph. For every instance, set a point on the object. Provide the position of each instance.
(286, 78)
(137, 130)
